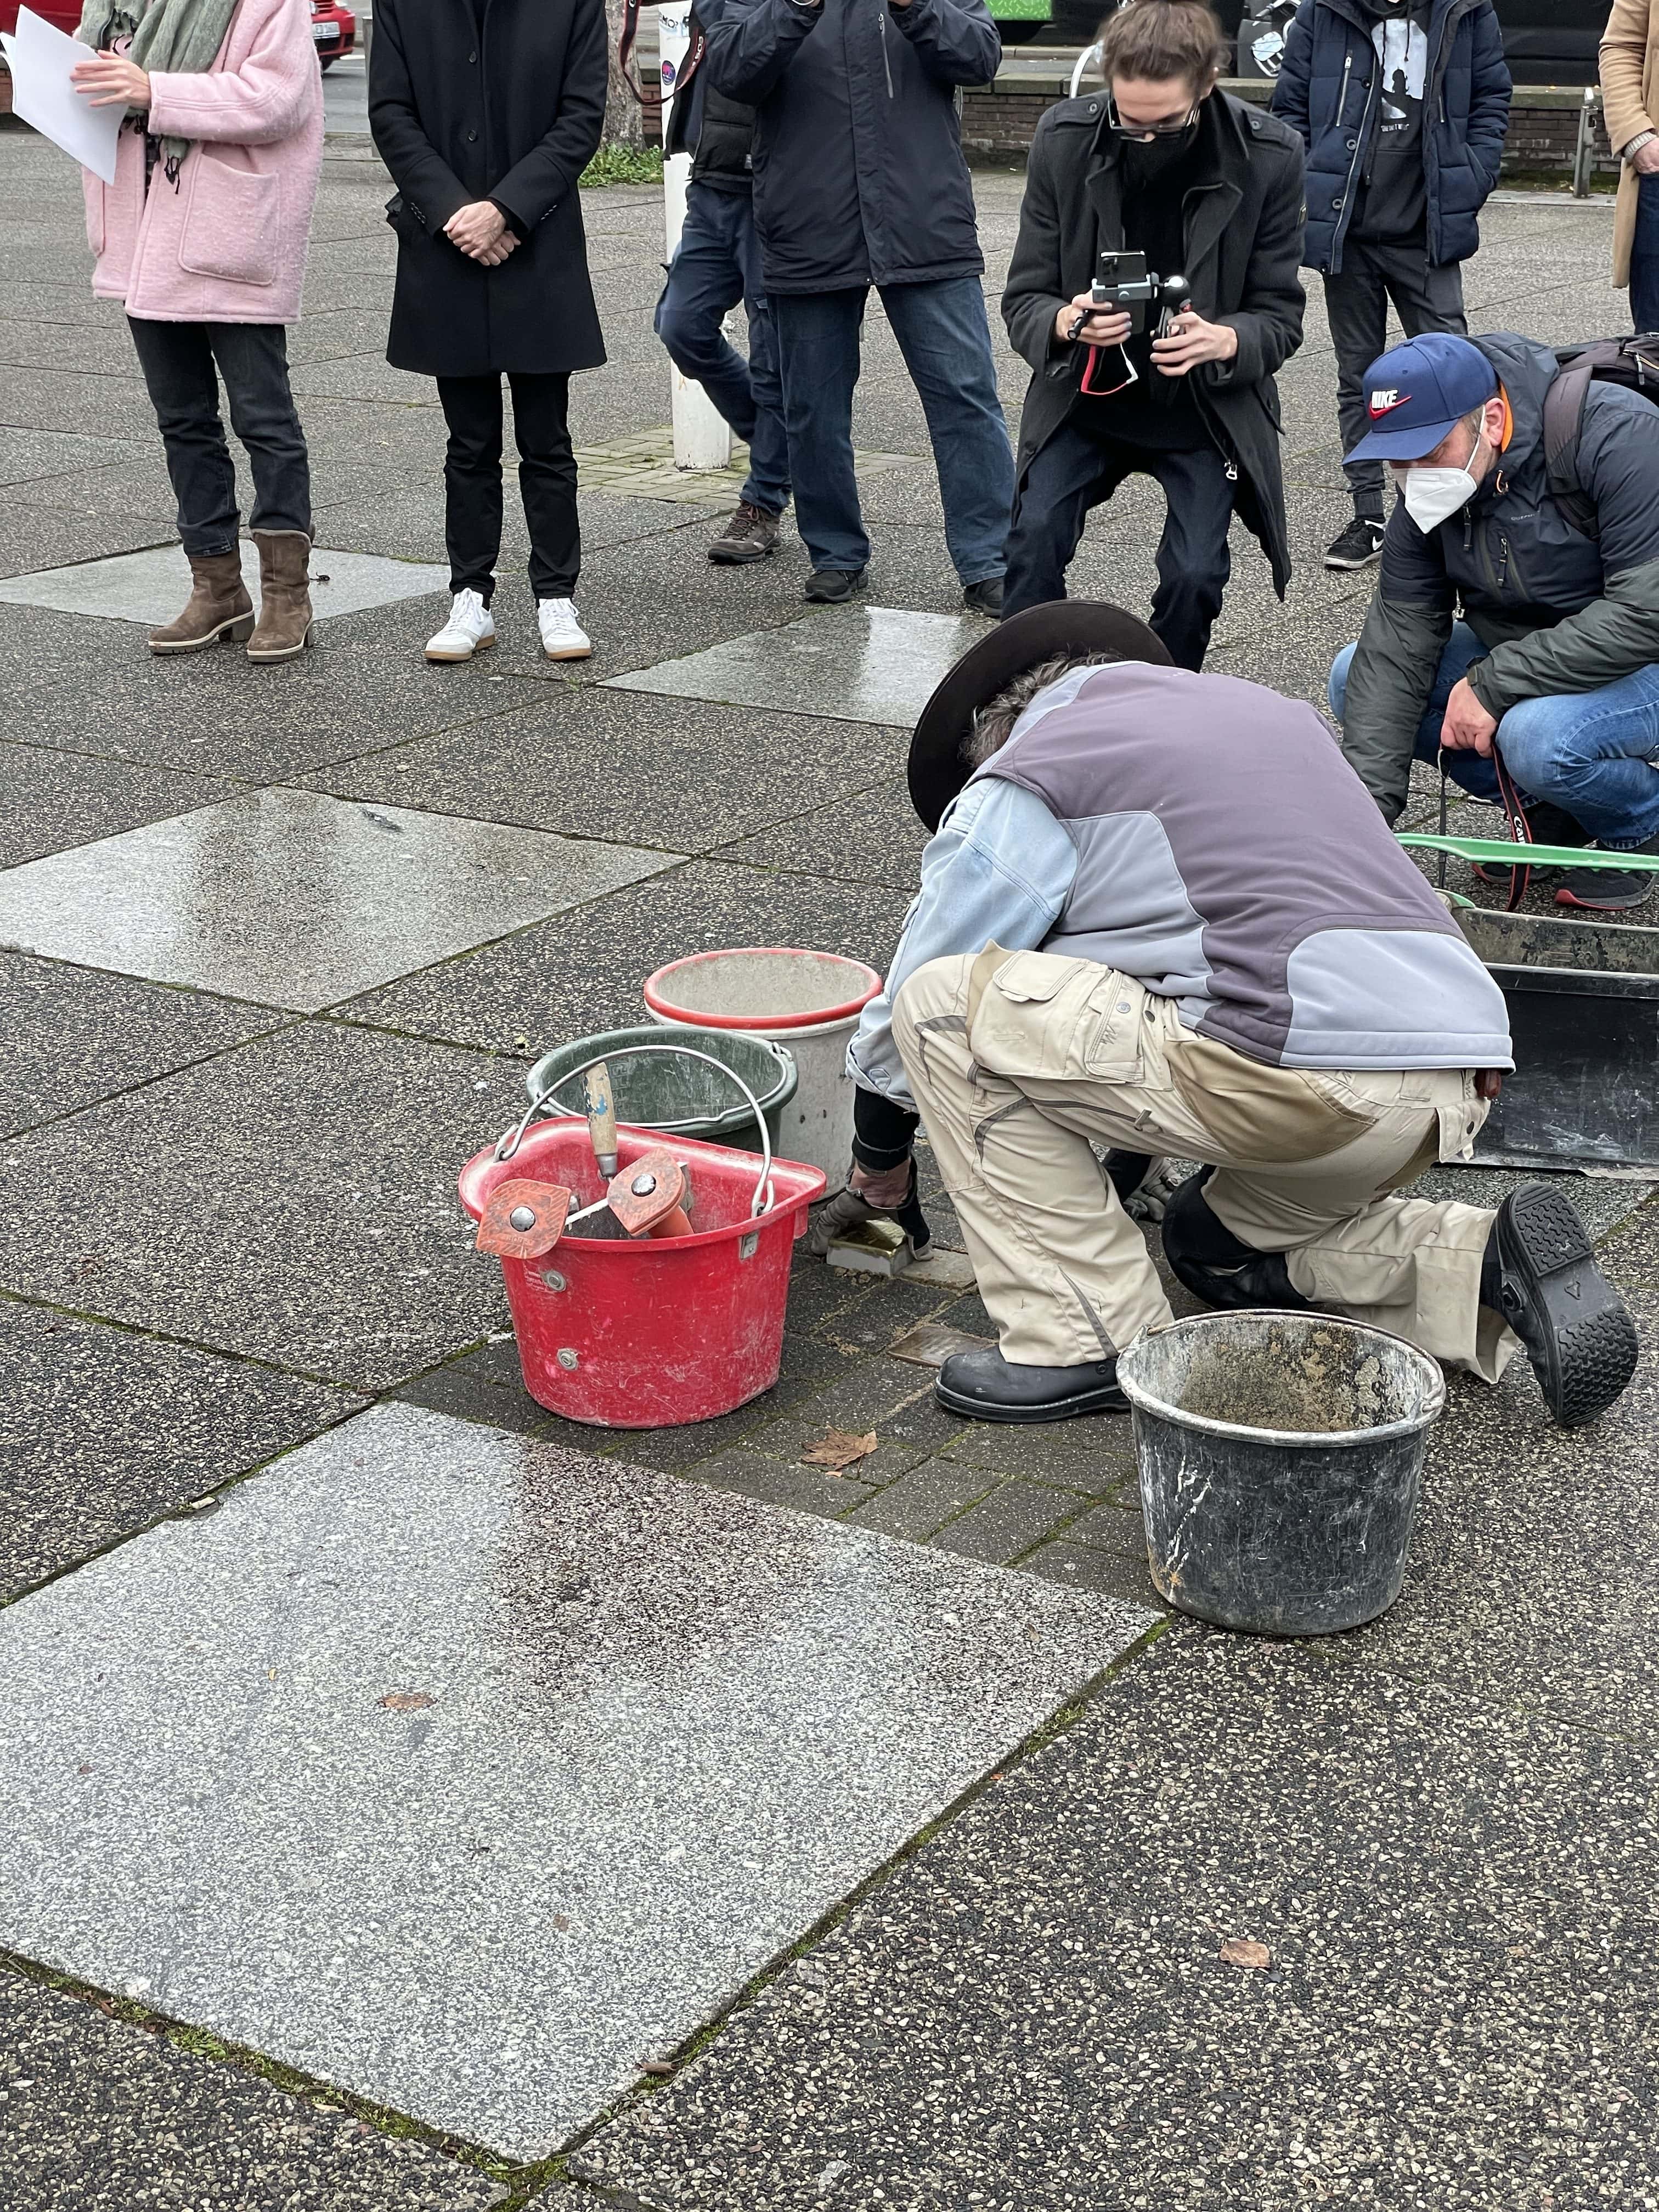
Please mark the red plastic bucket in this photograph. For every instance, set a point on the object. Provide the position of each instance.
(653, 1333)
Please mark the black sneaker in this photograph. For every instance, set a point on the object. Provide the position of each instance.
(986, 1387)
(1540, 1274)
(1360, 543)
(1550, 825)
(1607, 891)
(984, 598)
(751, 535)
(832, 587)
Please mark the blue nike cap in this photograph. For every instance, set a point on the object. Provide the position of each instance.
(1416, 391)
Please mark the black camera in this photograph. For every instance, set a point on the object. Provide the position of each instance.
(1121, 280)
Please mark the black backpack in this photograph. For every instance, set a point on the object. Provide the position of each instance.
(1633, 362)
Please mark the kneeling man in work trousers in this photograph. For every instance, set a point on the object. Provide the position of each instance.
(1160, 912)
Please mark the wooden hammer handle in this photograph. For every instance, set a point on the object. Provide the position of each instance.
(602, 1117)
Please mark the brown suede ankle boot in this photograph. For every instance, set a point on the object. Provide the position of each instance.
(284, 627)
(218, 606)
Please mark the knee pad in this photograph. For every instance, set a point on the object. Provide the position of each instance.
(1218, 1266)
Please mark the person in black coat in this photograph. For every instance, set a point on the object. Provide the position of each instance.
(1209, 189)
(486, 112)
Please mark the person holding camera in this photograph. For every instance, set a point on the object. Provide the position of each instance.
(1403, 105)
(1630, 98)
(1197, 184)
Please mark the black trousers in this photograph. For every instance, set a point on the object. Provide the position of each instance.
(1357, 306)
(547, 482)
(1074, 471)
(182, 363)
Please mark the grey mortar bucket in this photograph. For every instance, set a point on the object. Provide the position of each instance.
(1281, 1458)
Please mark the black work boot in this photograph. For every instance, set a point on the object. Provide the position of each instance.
(751, 535)
(1540, 1273)
(832, 587)
(984, 598)
(986, 1387)
(1218, 1266)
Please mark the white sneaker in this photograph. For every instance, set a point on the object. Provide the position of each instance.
(563, 637)
(470, 628)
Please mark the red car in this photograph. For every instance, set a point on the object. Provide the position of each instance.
(66, 14)
(333, 27)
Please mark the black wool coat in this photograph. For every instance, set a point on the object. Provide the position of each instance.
(1242, 232)
(490, 100)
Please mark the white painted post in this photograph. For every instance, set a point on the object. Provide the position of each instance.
(703, 438)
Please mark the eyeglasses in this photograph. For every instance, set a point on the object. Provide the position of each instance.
(1119, 129)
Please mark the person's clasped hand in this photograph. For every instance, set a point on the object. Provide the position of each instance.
(1192, 340)
(1468, 728)
(1100, 326)
(110, 81)
(480, 230)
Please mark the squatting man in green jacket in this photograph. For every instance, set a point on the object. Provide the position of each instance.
(1555, 664)
(1088, 960)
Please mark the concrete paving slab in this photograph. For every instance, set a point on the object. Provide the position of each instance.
(150, 587)
(51, 799)
(104, 1431)
(296, 899)
(859, 664)
(28, 454)
(1032, 2015)
(71, 1035)
(292, 1200)
(473, 1772)
(103, 2116)
(871, 836)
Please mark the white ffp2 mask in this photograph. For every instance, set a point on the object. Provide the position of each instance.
(1434, 495)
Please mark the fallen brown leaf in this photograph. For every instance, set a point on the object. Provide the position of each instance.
(1245, 1950)
(407, 1701)
(838, 1447)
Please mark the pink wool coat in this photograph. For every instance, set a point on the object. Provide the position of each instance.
(229, 245)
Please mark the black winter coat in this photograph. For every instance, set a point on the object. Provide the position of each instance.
(504, 103)
(859, 173)
(1243, 248)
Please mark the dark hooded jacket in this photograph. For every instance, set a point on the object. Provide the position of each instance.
(1243, 235)
(1329, 89)
(1562, 613)
(858, 171)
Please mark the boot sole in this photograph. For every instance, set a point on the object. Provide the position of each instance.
(1588, 1349)
(1096, 1400)
(722, 559)
(236, 631)
(267, 658)
(456, 659)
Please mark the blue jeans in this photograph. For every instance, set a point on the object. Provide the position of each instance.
(1594, 754)
(182, 365)
(1645, 257)
(717, 264)
(947, 344)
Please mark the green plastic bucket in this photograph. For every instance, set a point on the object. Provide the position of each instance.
(679, 1096)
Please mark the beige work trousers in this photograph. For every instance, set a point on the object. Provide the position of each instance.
(1017, 1060)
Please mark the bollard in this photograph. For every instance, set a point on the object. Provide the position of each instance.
(1584, 152)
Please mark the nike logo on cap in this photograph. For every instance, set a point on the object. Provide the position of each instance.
(1384, 403)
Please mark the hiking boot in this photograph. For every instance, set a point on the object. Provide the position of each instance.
(832, 587)
(1607, 891)
(751, 535)
(1359, 545)
(984, 598)
(563, 637)
(469, 628)
(1550, 825)
(983, 1385)
(1540, 1273)
(218, 607)
(283, 629)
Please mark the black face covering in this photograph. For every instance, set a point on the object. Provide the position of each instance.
(1146, 159)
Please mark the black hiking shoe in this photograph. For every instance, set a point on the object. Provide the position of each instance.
(985, 1387)
(751, 535)
(1607, 891)
(1360, 543)
(832, 587)
(984, 598)
(1540, 1273)
(1550, 825)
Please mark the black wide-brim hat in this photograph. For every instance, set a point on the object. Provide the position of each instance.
(939, 766)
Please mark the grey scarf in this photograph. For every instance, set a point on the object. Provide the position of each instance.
(171, 35)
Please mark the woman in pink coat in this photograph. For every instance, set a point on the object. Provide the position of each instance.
(203, 235)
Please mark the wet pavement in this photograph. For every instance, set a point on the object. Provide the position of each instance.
(390, 1771)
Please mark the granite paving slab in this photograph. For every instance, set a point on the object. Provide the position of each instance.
(295, 898)
(474, 1771)
(293, 1199)
(1032, 2015)
(68, 1036)
(860, 664)
(100, 2115)
(869, 836)
(51, 798)
(103, 1431)
(28, 454)
(149, 588)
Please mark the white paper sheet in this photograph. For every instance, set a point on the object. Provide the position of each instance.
(40, 57)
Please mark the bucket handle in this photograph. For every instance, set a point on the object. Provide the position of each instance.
(764, 1195)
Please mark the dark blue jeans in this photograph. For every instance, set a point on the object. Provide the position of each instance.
(182, 365)
(717, 264)
(947, 344)
(1645, 257)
